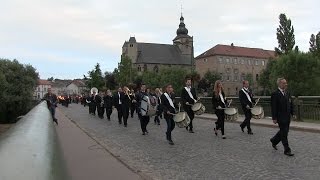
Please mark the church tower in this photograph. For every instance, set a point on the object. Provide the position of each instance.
(184, 41)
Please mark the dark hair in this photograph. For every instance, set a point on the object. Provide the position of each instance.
(187, 78)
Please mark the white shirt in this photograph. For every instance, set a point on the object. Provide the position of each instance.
(119, 98)
(282, 91)
(245, 90)
(221, 97)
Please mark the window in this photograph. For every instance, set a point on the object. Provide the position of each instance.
(228, 70)
(243, 76)
(221, 76)
(249, 62)
(236, 71)
(131, 45)
(145, 68)
(257, 77)
(38, 96)
(228, 78)
(220, 60)
(139, 68)
(263, 62)
(156, 69)
(45, 89)
(205, 60)
(237, 91)
(227, 60)
(257, 62)
(38, 88)
(235, 60)
(235, 78)
(242, 61)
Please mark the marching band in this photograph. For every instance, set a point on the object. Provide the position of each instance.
(147, 103)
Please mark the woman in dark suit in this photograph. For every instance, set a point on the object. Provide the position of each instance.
(219, 102)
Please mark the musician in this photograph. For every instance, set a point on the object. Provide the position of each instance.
(117, 103)
(133, 104)
(108, 101)
(282, 109)
(99, 105)
(52, 101)
(219, 102)
(188, 98)
(88, 101)
(158, 94)
(168, 109)
(125, 105)
(247, 101)
(93, 103)
(144, 120)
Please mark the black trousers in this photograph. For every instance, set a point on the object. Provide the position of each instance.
(282, 135)
(144, 121)
(133, 107)
(120, 115)
(108, 112)
(125, 113)
(220, 121)
(90, 108)
(170, 126)
(158, 114)
(93, 108)
(246, 122)
(100, 111)
(191, 116)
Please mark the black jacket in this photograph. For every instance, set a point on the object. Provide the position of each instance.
(244, 99)
(216, 101)
(186, 98)
(116, 99)
(281, 106)
(125, 100)
(108, 101)
(167, 107)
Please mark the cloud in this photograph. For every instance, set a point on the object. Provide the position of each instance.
(86, 32)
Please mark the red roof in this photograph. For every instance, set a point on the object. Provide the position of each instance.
(78, 83)
(237, 51)
(43, 82)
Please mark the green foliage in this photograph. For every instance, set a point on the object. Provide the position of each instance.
(125, 73)
(110, 79)
(95, 78)
(315, 44)
(302, 70)
(17, 83)
(264, 80)
(208, 80)
(285, 36)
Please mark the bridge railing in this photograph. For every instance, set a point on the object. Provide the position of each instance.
(307, 108)
(30, 149)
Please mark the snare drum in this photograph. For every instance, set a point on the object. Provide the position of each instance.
(198, 108)
(231, 114)
(181, 119)
(257, 112)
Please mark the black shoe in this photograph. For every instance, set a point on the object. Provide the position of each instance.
(125, 125)
(288, 153)
(250, 132)
(108, 119)
(242, 128)
(55, 120)
(158, 123)
(167, 137)
(120, 122)
(187, 128)
(273, 145)
(215, 131)
(147, 132)
(224, 137)
(191, 131)
(171, 142)
(143, 133)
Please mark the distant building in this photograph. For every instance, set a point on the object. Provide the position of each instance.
(59, 87)
(76, 87)
(234, 63)
(41, 89)
(153, 56)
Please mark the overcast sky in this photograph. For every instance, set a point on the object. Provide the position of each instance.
(66, 38)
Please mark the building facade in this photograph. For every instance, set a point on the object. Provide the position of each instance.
(153, 56)
(234, 64)
(41, 89)
(76, 87)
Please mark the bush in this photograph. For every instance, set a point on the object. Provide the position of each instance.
(17, 83)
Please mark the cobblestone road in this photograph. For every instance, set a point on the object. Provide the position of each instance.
(202, 155)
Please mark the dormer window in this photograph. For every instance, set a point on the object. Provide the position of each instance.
(131, 45)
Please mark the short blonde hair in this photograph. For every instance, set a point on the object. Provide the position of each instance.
(279, 80)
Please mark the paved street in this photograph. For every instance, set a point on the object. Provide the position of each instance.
(202, 155)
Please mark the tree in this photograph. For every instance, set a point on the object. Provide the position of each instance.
(17, 83)
(264, 80)
(285, 35)
(110, 80)
(315, 44)
(208, 80)
(95, 78)
(302, 70)
(50, 79)
(125, 72)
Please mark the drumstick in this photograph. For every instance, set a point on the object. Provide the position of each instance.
(230, 103)
(257, 102)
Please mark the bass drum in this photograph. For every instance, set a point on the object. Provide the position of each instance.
(231, 114)
(198, 108)
(181, 119)
(257, 112)
(146, 108)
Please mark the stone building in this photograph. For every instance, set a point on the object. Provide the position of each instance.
(233, 64)
(154, 56)
(41, 89)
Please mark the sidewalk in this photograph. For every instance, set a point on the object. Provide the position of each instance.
(85, 158)
(267, 122)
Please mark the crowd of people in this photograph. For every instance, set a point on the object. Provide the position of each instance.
(161, 103)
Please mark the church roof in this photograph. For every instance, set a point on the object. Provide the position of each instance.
(151, 53)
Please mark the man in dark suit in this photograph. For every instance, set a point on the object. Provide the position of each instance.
(118, 104)
(168, 110)
(282, 109)
(188, 98)
(246, 100)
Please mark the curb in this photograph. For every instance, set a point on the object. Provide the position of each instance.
(292, 127)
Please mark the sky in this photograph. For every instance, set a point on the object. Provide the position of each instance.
(66, 38)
